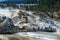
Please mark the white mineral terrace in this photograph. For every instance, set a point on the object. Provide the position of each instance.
(41, 35)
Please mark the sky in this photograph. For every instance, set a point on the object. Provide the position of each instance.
(2, 0)
(20, 1)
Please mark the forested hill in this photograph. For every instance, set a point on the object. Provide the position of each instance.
(48, 5)
(43, 5)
